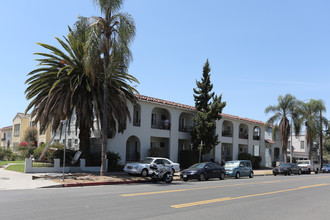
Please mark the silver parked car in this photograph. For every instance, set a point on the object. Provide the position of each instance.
(143, 167)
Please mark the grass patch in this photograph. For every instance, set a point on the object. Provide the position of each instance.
(7, 162)
(16, 167)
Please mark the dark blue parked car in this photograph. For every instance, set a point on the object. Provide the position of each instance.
(326, 168)
(203, 171)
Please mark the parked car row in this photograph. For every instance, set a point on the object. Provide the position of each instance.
(143, 167)
(200, 171)
(287, 169)
(207, 170)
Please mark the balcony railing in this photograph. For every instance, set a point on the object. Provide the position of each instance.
(243, 136)
(161, 125)
(137, 123)
(227, 133)
(185, 129)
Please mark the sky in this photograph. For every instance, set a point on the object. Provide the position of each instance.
(257, 49)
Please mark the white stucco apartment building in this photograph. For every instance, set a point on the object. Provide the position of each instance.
(148, 129)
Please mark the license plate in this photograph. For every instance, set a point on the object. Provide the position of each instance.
(184, 176)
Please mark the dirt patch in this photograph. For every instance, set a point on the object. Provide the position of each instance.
(90, 178)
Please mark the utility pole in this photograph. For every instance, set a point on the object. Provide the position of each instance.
(200, 151)
(64, 123)
(321, 137)
(291, 150)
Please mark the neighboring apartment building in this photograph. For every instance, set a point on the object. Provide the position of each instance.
(300, 148)
(43, 137)
(15, 134)
(71, 139)
(6, 136)
(20, 124)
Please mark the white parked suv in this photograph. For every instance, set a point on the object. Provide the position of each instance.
(308, 166)
(143, 167)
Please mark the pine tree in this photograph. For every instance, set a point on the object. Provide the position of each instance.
(209, 108)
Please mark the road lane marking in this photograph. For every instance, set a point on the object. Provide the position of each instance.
(184, 205)
(209, 187)
(178, 190)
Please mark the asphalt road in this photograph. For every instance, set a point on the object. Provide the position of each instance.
(268, 197)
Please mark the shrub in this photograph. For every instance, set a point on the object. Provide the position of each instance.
(154, 152)
(93, 159)
(188, 158)
(28, 152)
(58, 154)
(113, 160)
(7, 154)
(255, 160)
(23, 146)
(31, 136)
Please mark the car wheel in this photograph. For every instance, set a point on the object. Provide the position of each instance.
(299, 172)
(222, 176)
(185, 179)
(316, 171)
(275, 174)
(237, 175)
(309, 171)
(251, 175)
(144, 172)
(289, 172)
(201, 177)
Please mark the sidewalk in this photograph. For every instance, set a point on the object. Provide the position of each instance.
(10, 180)
(16, 180)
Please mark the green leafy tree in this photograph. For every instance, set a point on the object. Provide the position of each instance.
(209, 108)
(62, 86)
(31, 136)
(109, 45)
(282, 112)
(311, 116)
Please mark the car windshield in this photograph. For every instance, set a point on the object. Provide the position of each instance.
(147, 160)
(285, 165)
(303, 162)
(197, 165)
(231, 164)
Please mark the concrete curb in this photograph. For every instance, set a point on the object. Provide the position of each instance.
(104, 183)
(120, 182)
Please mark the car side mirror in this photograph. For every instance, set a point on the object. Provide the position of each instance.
(206, 167)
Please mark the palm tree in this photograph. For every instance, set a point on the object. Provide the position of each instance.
(311, 117)
(282, 111)
(109, 41)
(62, 86)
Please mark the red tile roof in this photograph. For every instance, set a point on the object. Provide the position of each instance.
(8, 127)
(174, 104)
(269, 141)
(161, 101)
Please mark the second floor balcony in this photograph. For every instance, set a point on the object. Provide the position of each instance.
(227, 133)
(243, 136)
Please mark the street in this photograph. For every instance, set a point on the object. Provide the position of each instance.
(262, 197)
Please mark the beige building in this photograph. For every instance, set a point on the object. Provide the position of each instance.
(6, 136)
(43, 137)
(20, 124)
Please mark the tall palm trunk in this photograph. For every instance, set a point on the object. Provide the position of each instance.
(105, 109)
(84, 137)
